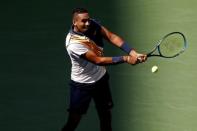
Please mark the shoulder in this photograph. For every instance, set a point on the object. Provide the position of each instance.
(74, 44)
(96, 23)
(73, 39)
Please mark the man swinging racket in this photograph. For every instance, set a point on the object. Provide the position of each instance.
(89, 78)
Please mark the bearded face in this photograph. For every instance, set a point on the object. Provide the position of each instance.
(81, 22)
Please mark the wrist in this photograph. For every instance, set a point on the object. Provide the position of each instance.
(118, 59)
(126, 48)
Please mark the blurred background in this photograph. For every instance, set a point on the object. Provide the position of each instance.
(35, 69)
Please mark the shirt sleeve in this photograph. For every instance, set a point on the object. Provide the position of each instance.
(77, 48)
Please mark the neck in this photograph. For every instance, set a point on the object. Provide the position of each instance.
(75, 29)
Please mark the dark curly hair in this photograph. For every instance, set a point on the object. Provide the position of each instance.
(79, 10)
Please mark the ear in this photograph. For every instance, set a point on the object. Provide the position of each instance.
(74, 19)
(74, 22)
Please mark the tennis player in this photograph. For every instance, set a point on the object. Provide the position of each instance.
(89, 78)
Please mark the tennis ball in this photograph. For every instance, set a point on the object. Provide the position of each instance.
(154, 69)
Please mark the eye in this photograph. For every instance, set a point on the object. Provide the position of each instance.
(85, 20)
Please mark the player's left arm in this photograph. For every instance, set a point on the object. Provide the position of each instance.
(111, 37)
(119, 42)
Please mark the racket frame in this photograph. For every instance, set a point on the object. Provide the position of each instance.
(157, 47)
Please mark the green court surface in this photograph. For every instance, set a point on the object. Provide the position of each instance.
(35, 70)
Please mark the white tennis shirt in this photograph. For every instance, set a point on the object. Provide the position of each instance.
(82, 71)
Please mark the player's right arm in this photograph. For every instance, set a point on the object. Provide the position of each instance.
(100, 60)
(91, 55)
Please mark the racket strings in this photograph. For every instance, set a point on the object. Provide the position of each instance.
(172, 45)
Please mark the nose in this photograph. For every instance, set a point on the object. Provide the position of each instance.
(87, 23)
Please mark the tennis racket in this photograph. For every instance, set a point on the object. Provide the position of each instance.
(170, 46)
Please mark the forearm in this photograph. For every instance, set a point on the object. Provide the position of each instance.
(116, 40)
(119, 42)
(110, 60)
(101, 60)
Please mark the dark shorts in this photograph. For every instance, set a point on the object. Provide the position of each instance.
(82, 94)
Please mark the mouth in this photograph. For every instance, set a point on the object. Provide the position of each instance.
(86, 27)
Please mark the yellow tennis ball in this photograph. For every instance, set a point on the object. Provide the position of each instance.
(154, 69)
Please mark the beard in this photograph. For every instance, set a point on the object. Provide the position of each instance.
(85, 29)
